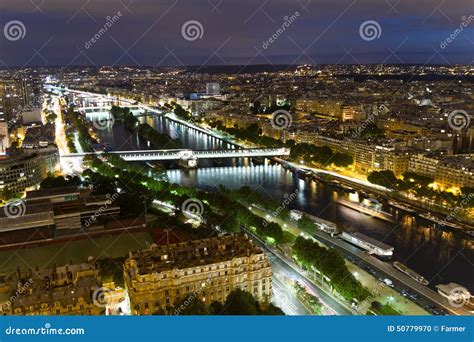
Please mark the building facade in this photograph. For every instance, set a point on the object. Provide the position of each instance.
(19, 173)
(208, 269)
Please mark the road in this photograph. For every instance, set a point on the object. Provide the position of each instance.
(285, 299)
(385, 269)
(378, 268)
(283, 269)
(70, 166)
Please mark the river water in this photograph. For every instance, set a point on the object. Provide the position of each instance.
(441, 257)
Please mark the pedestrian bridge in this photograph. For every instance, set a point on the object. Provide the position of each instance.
(163, 155)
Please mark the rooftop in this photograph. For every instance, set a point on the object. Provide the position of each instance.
(193, 253)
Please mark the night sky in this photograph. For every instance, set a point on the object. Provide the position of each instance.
(149, 32)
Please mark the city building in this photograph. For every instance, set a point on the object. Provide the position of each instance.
(39, 136)
(31, 116)
(51, 213)
(213, 88)
(451, 171)
(18, 173)
(4, 137)
(65, 290)
(209, 269)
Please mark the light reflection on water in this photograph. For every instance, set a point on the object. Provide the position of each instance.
(439, 256)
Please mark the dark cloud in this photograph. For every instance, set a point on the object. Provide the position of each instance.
(235, 32)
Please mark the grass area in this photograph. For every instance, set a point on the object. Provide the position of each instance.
(75, 251)
(288, 237)
(384, 310)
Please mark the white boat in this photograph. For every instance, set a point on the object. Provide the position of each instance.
(409, 272)
(369, 244)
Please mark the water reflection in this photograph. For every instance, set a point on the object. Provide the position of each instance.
(440, 256)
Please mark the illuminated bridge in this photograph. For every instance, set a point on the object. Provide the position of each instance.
(162, 155)
(103, 107)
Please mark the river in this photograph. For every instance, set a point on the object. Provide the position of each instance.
(440, 256)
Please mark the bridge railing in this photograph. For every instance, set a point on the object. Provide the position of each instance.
(189, 154)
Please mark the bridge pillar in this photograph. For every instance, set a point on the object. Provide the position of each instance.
(191, 163)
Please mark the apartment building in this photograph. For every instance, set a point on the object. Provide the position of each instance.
(207, 269)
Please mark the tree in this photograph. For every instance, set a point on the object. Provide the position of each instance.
(240, 302)
(371, 131)
(306, 224)
(419, 180)
(190, 306)
(53, 182)
(8, 193)
(51, 117)
(332, 264)
(342, 159)
(384, 178)
(272, 310)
